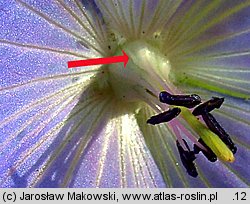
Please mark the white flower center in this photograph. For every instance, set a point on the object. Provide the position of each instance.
(147, 70)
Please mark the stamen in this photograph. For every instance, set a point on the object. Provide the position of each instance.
(208, 106)
(212, 140)
(188, 101)
(215, 127)
(164, 117)
(187, 158)
(208, 153)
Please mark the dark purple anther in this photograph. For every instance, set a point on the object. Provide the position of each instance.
(208, 106)
(208, 154)
(188, 101)
(187, 158)
(164, 117)
(215, 127)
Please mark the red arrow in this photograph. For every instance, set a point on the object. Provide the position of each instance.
(108, 60)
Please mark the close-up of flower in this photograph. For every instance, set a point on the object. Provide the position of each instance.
(176, 114)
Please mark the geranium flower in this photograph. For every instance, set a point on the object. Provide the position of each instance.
(87, 127)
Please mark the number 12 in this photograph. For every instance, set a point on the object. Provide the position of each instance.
(241, 196)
